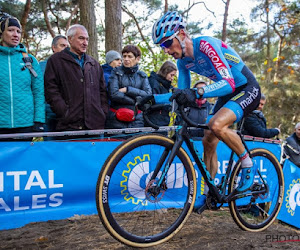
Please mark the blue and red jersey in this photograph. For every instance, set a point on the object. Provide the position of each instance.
(216, 61)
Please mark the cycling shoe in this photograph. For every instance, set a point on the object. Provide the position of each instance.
(247, 179)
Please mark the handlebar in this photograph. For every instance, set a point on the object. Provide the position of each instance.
(150, 108)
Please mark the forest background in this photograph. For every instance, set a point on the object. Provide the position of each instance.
(269, 47)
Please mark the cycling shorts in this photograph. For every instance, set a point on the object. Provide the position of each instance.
(243, 100)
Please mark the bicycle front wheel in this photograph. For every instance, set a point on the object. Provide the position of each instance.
(131, 207)
(259, 208)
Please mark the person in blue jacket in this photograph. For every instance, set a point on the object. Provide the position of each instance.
(113, 59)
(255, 123)
(234, 84)
(22, 101)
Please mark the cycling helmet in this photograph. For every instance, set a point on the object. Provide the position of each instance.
(167, 25)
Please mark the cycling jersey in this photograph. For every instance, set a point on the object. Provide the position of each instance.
(216, 61)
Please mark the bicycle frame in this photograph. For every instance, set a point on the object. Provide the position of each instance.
(218, 194)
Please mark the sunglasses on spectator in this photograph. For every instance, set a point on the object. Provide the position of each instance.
(168, 42)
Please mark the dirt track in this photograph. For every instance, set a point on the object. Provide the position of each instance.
(211, 230)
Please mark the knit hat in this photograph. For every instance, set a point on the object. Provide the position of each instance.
(11, 21)
(112, 55)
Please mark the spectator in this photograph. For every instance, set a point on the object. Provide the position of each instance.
(113, 59)
(255, 123)
(125, 84)
(22, 102)
(59, 43)
(292, 147)
(74, 85)
(199, 112)
(161, 83)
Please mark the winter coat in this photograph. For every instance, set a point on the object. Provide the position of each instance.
(77, 96)
(255, 124)
(22, 100)
(107, 71)
(294, 150)
(160, 85)
(137, 85)
(199, 115)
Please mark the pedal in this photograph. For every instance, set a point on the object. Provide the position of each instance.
(200, 209)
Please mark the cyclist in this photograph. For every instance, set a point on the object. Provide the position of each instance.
(234, 84)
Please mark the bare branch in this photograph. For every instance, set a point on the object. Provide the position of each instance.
(48, 24)
(139, 28)
(188, 9)
(73, 13)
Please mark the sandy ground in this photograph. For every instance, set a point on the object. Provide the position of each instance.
(210, 230)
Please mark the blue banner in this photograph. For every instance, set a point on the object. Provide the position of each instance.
(290, 210)
(57, 180)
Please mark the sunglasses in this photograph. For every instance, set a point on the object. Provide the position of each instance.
(168, 43)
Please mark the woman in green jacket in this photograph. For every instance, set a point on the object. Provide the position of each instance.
(22, 101)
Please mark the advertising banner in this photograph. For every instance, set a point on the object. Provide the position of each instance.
(290, 210)
(57, 180)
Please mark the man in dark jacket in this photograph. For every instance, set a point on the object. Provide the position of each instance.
(255, 123)
(75, 86)
(292, 147)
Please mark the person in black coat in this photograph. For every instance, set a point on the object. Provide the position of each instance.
(255, 123)
(161, 83)
(292, 147)
(199, 113)
(126, 83)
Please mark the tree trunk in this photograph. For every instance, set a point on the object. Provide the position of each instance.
(268, 77)
(224, 31)
(88, 20)
(47, 21)
(113, 25)
(25, 16)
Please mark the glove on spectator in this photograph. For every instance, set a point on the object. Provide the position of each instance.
(38, 127)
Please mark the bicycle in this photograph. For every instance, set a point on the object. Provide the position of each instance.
(139, 200)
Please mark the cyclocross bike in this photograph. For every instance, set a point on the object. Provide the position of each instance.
(147, 187)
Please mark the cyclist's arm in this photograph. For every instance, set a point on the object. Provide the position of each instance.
(184, 77)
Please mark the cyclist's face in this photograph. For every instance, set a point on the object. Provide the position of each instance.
(174, 49)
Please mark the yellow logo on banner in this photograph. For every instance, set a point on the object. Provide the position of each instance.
(124, 184)
(293, 196)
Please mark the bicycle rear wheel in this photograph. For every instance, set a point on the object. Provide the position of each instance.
(256, 212)
(127, 206)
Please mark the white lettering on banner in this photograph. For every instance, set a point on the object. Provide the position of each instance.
(293, 197)
(17, 206)
(4, 206)
(51, 180)
(37, 202)
(39, 182)
(24, 181)
(16, 175)
(34, 179)
(56, 200)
